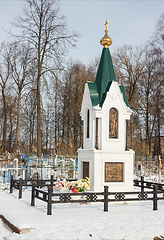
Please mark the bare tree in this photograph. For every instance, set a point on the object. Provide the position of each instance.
(52, 94)
(29, 118)
(72, 92)
(4, 78)
(129, 61)
(129, 68)
(156, 50)
(148, 96)
(21, 67)
(46, 31)
(11, 107)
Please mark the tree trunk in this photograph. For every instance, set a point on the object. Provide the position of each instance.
(2, 149)
(38, 119)
(159, 152)
(47, 130)
(39, 137)
(51, 120)
(30, 137)
(56, 123)
(50, 150)
(147, 125)
(11, 132)
(18, 122)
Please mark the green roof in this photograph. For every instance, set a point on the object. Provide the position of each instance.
(105, 72)
(124, 95)
(93, 93)
(105, 76)
(104, 94)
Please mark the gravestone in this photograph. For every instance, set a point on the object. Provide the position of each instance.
(139, 169)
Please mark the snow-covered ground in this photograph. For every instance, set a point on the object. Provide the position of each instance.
(133, 220)
(3, 230)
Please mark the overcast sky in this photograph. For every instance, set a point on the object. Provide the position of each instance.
(130, 22)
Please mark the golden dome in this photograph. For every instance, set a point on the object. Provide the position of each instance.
(106, 40)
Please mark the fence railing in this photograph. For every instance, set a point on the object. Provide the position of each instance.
(52, 198)
(155, 193)
(158, 188)
(84, 197)
(147, 184)
(19, 184)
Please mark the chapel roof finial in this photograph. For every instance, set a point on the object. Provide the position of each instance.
(106, 40)
(106, 25)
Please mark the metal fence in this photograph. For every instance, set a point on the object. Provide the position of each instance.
(155, 193)
(39, 183)
(51, 198)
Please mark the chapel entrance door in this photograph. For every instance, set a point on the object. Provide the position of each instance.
(85, 169)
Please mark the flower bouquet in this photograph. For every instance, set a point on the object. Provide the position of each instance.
(66, 186)
(61, 185)
(81, 185)
(58, 185)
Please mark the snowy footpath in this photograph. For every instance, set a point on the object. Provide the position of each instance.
(133, 220)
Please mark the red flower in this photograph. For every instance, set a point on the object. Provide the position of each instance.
(74, 190)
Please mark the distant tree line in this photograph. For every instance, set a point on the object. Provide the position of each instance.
(41, 94)
(141, 71)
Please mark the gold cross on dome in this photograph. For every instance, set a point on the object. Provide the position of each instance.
(106, 25)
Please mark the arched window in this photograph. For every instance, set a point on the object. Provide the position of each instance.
(88, 123)
(113, 123)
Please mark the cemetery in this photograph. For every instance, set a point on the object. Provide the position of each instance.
(105, 170)
(104, 158)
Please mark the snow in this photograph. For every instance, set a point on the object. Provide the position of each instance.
(132, 220)
(3, 230)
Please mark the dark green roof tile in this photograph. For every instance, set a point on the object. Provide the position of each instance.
(93, 93)
(105, 72)
(105, 76)
(124, 95)
(104, 94)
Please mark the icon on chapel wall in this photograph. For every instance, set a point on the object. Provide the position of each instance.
(113, 123)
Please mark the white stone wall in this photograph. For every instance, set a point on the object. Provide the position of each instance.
(113, 99)
(97, 159)
(112, 150)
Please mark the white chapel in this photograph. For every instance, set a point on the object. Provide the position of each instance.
(104, 157)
